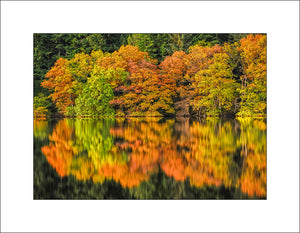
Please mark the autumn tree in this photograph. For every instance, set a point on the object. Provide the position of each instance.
(59, 80)
(41, 106)
(69, 78)
(140, 93)
(97, 93)
(253, 89)
(174, 70)
(181, 68)
(215, 89)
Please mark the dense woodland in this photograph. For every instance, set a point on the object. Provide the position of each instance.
(78, 75)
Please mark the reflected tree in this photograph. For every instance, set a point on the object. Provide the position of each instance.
(161, 158)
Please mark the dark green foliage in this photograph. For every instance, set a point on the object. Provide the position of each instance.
(42, 107)
(42, 101)
(49, 47)
(159, 46)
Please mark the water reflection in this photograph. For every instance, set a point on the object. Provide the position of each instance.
(208, 153)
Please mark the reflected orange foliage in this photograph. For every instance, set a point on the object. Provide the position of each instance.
(60, 152)
(125, 174)
(200, 152)
(144, 156)
(253, 180)
(197, 157)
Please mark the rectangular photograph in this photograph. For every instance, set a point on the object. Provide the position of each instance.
(150, 116)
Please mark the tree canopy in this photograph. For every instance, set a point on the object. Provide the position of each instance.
(150, 74)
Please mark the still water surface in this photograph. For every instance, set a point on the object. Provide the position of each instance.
(154, 158)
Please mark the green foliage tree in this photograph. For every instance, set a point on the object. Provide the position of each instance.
(215, 88)
(150, 43)
(41, 106)
(96, 95)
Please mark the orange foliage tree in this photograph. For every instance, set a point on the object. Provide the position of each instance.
(59, 79)
(173, 69)
(144, 91)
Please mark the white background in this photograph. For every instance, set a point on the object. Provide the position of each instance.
(19, 20)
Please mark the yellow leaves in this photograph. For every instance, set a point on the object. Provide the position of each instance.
(83, 169)
(214, 86)
(95, 55)
(253, 144)
(253, 93)
(81, 65)
(200, 58)
(131, 53)
(40, 113)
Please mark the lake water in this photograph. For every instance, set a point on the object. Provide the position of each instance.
(150, 158)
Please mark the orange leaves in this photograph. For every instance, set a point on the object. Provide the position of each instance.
(58, 70)
(127, 57)
(143, 90)
(174, 66)
(200, 58)
(253, 50)
(59, 79)
(181, 68)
